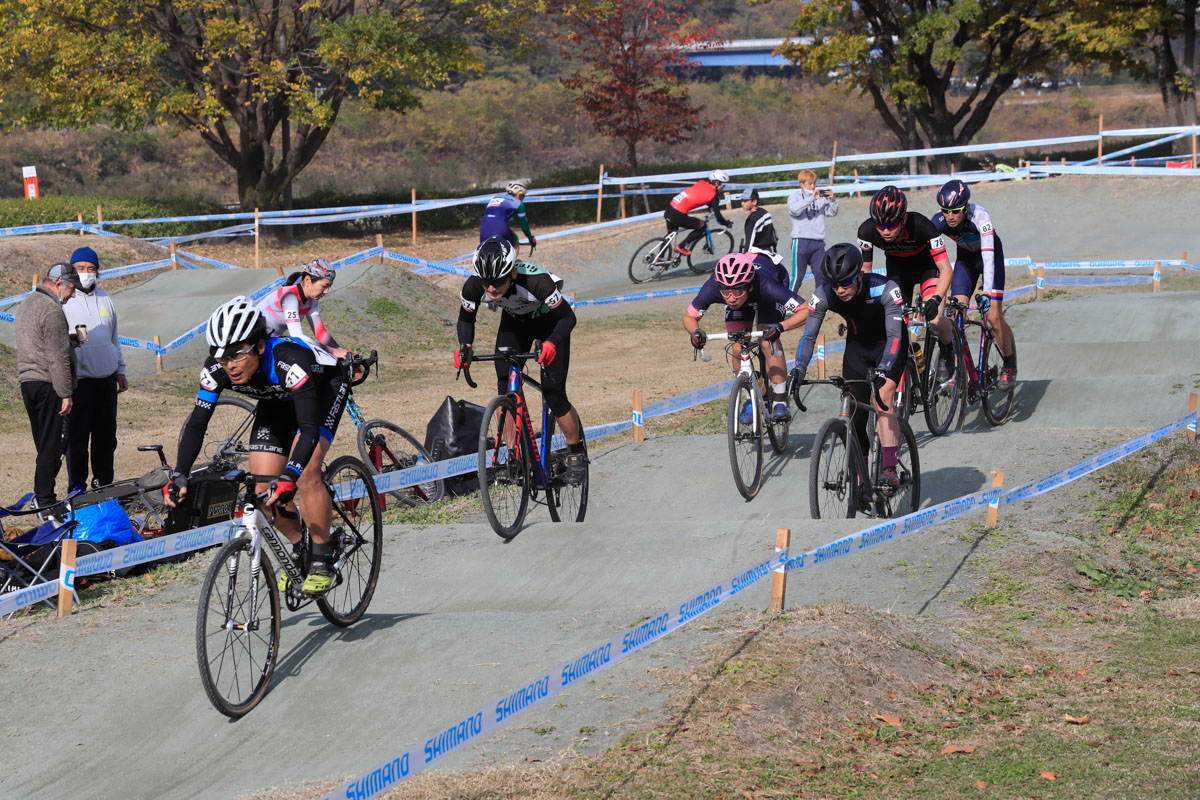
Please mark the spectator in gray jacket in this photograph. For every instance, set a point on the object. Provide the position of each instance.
(808, 207)
(101, 376)
(46, 370)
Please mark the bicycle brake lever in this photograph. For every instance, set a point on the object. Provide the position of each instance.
(700, 354)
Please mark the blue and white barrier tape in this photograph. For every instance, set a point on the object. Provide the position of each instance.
(50, 227)
(153, 549)
(629, 298)
(212, 262)
(1141, 263)
(31, 595)
(134, 268)
(1136, 148)
(425, 264)
(1167, 172)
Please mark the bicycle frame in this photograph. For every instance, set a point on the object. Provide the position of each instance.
(541, 452)
(959, 320)
(747, 341)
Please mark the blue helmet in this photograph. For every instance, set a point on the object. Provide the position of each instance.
(953, 196)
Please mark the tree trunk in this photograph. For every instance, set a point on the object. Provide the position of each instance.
(1189, 61)
(631, 155)
(1167, 68)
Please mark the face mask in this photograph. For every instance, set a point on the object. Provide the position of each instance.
(87, 279)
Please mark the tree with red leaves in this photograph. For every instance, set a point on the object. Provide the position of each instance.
(631, 52)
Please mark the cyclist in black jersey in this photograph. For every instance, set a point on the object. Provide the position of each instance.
(301, 393)
(531, 306)
(876, 340)
(915, 255)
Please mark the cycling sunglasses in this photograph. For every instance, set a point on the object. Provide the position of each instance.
(846, 284)
(734, 291)
(958, 210)
(891, 226)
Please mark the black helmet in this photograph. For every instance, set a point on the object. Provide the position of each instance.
(954, 195)
(889, 205)
(494, 259)
(842, 262)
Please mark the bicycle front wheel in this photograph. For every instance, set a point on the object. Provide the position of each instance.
(905, 394)
(997, 403)
(650, 260)
(704, 258)
(356, 532)
(505, 472)
(943, 392)
(229, 430)
(566, 501)
(745, 437)
(237, 629)
(385, 447)
(831, 487)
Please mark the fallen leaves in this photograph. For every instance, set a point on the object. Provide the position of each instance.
(1084, 720)
(890, 719)
(950, 749)
(981, 784)
(1050, 776)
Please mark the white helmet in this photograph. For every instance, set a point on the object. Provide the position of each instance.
(718, 176)
(233, 323)
(494, 260)
(516, 187)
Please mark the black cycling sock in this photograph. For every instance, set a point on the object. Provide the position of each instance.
(322, 550)
(692, 238)
(577, 447)
(1010, 361)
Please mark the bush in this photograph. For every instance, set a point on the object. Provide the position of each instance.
(16, 212)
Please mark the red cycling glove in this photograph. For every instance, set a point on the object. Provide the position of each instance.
(547, 354)
(462, 357)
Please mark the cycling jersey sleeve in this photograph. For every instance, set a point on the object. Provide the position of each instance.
(709, 293)
(780, 296)
(818, 304)
(865, 232)
(319, 329)
(893, 324)
(472, 293)
(715, 206)
(192, 435)
(289, 305)
(563, 316)
(987, 245)
(521, 219)
(924, 229)
(306, 403)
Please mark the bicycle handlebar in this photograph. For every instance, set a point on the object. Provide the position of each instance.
(842, 383)
(737, 337)
(366, 362)
(515, 358)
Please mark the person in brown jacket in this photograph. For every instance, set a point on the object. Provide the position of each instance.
(45, 368)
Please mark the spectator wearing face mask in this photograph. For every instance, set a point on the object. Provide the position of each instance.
(46, 370)
(101, 376)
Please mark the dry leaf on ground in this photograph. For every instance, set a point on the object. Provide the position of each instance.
(1084, 720)
(1050, 776)
(957, 748)
(889, 719)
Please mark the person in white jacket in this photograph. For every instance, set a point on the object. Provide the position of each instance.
(93, 419)
(808, 207)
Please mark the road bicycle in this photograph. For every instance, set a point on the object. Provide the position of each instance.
(920, 387)
(238, 619)
(978, 383)
(515, 464)
(657, 256)
(383, 446)
(748, 415)
(841, 481)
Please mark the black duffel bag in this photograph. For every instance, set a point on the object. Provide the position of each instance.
(453, 432)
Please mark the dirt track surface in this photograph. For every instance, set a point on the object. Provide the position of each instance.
(461, 619)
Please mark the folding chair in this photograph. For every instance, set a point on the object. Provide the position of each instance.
(30, 558)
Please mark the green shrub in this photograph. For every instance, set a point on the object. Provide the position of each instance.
(16, 212)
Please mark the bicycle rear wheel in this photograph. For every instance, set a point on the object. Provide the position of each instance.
(942, 398)
(567, 502)
(703, 258)
(385, 447)
(831, 488)
(650, 260)
(237, 636)
(357, 535)
(505, 473)
(229, 428)
(997, 404)
(906, 393)
(745, 437)
(907, 498)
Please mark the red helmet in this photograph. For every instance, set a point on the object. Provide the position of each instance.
(735, 269)
(889, 205)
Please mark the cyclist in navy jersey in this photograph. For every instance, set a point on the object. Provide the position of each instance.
(876, 341)
(301, 392)
(704, 193)
(531, 306)
(980, 255)
(499, 214)
(746, 294)
(915, 256)
(761, 238)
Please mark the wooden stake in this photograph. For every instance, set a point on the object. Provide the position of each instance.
(1047, 161)
(857, 193)
(1192, 405)
(1157, 276)
(1041, 281)
(257, 263)
(414, 216)
(728, 202)
(639, 430)
(1100, 143)
(36, 280)
(994, 506)
(783, 540)
(622, 202)
(81, 223)
(99, 216)
(1182, 269)
(599, 192)
(1032, 271)
(66, 578)
(1064, 161)
(1193, 151)
(174, 259)
(833, 163)
(379, 244)
(820, 356)
(158, 354)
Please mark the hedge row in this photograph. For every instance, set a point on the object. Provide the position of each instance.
(16, 212)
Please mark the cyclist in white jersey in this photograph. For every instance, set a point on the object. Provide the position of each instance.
(298, 299)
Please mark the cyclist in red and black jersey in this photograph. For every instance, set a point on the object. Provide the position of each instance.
(915, 255)
(704, 193)
(301, 392)
(531, 306)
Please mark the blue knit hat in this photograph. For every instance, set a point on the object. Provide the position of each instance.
(85, 254)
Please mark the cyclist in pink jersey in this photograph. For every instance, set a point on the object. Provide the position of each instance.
(285, 308)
